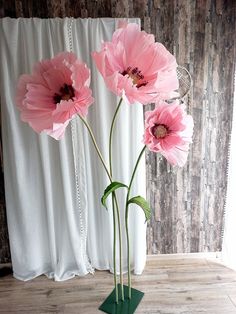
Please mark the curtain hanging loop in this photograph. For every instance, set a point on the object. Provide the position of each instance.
(69, 30)
(75, 149)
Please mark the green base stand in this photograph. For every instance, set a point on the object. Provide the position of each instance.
(128, 306)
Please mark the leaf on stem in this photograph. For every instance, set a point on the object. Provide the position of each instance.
(141, 202)
(110, 189)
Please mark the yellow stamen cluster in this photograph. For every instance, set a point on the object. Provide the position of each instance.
(161, 131)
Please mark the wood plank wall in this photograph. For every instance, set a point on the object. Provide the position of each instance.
(187, 203)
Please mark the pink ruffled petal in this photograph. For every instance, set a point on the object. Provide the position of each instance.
(173, 120)
(58, 130)
(38, 97)
(65, 57)
(150, 67)
(170, 141)
(38, 120)
(22, 89)
(177, 156)
(55, 79)
(80, 75)
(187, 133)
(54, 93)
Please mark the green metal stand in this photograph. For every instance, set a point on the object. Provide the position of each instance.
(128, 306)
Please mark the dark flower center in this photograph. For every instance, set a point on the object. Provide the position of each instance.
(160, 130)
(136, 75)
(66, 92)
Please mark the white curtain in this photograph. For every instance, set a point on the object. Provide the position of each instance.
(229, 247)
(57, 225)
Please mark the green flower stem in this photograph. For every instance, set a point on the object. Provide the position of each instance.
(126, 218)
(114, 198)
(96, 146)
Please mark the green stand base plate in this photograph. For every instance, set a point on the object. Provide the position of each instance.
(128, 306)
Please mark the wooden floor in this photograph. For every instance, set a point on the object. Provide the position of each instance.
(172, 284)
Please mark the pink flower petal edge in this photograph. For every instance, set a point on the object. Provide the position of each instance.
(57, 90)
(168, 131)
(134, 65)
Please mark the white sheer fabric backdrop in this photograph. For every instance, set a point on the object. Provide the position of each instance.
(53, 227)
(229, 247)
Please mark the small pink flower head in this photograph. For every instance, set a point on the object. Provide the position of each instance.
(56, 91)
(168, 130)
(137, 68)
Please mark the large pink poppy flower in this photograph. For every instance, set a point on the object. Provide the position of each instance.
(168, 130)
(136, 67)
(56, 91)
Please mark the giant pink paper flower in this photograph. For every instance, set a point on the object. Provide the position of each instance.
(168, 130)
(56, 91)
(136, 67)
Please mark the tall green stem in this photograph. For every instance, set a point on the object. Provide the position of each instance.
(127, 216)
(96, 146)
(114, 200)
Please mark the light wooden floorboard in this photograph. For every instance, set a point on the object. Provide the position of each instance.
(173, 284)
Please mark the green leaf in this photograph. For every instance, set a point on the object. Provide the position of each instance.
(111, 188)
(140, 201)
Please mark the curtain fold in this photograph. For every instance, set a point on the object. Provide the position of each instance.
(56, 223)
